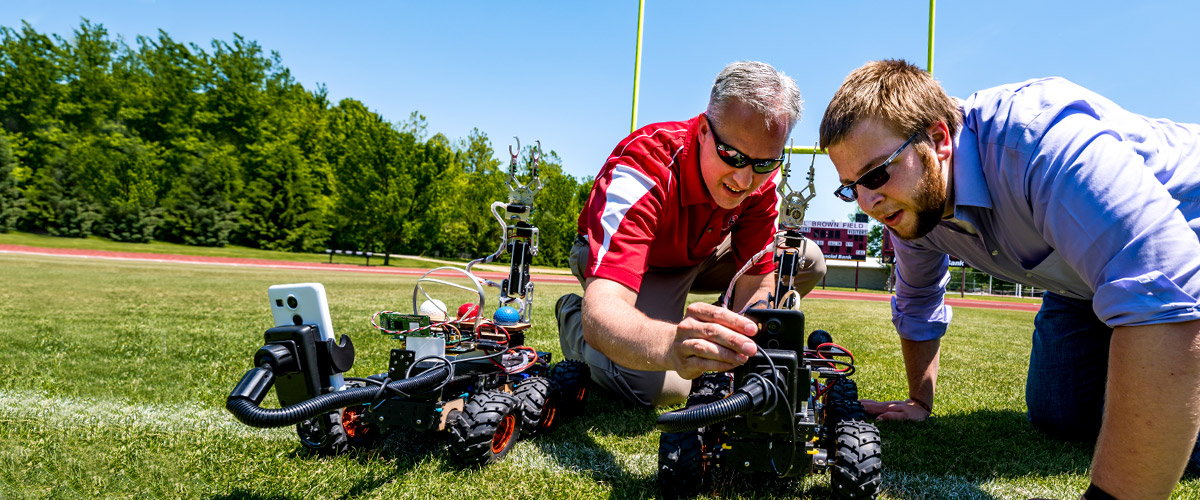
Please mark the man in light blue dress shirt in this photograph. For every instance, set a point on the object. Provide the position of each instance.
(1048, 184)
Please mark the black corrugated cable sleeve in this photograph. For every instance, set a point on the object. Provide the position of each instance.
(244, 400)
(749, 398)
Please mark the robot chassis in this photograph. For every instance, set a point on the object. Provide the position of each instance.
(467, 376)
(791, 410)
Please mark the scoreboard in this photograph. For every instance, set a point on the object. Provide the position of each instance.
(838, 240)
(887, 254)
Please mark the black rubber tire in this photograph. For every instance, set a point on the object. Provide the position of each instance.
(324, 434)
(538, 408)
(841, 390)
(569, 380)
(841, 404)
(710, 387)
(485, 430)
(858, 464)
(681, 465)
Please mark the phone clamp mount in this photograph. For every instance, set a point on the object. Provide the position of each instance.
(790, 410)
(471, 377)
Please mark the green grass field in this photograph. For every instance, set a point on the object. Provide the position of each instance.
(114, 374)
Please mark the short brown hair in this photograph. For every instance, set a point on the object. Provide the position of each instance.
(901, 94)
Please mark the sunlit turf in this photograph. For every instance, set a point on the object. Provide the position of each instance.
(114, 375)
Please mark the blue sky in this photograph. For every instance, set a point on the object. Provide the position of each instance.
(562, 72)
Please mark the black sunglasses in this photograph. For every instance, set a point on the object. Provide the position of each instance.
(736, 159)
(874, 178)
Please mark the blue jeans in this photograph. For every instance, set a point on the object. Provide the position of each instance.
(1068, 369)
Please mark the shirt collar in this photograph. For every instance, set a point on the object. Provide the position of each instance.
(688, 162)
(970, 185)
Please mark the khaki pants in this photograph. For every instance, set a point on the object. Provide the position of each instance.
(663, 296)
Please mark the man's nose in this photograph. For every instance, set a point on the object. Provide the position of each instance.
(867, 198)
(743, 176)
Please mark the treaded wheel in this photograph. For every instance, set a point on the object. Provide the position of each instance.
(858, 463)
(710, 387)
(324, 434)
(680, 465)
(569, 381)
(537, 406)
(841, 404)
(486, 429)
(842, 389)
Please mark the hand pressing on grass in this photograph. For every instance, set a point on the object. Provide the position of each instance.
(920, 367)
(908, 409)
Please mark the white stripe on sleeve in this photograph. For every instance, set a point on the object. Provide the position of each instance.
(627, 187)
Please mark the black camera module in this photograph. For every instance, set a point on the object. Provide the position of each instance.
(774, 325)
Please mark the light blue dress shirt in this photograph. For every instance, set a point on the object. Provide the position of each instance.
(1059, 188)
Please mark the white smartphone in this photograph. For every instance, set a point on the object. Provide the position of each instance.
(304, 304)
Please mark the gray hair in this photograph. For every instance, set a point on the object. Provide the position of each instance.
(766, 90)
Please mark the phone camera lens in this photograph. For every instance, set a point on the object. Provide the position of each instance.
(773, 325)
(292, 302)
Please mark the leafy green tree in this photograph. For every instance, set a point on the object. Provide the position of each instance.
(282, 205)
(11, 202)
(119, 174)
(199, 210)
(29, 90)
(429, 173)
(557, 212)
(92, 96)
(468, 229)
(373, 194)
(875, 240)
(58, 200)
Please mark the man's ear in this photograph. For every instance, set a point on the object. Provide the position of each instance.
(943, 142)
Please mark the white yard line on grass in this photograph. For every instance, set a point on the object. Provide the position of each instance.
(91, 412)
(33, 406)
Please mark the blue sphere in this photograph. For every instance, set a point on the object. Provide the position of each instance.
(506, 316)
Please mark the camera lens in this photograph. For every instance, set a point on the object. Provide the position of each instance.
(773, 325)
(292, 302)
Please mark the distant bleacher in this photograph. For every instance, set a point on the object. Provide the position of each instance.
(358, 253)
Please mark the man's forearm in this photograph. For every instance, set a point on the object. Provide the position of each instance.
(613, 326)
(750, 289)
(921, 368)
(1151, 410)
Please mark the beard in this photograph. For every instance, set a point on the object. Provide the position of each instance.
(929, 202)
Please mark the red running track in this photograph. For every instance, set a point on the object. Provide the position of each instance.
(542, 278)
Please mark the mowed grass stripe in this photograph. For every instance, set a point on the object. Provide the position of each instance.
(30, 407)
(65, 411)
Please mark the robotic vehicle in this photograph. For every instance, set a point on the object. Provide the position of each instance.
(456, 372)
(791, 410)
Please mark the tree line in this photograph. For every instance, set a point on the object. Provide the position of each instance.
(169, 141)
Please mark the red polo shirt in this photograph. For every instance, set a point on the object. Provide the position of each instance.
(649, 208)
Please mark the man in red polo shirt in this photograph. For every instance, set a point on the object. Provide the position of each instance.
(679, 207)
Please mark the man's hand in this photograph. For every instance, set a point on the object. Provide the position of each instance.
(711, 339)
(895, 410)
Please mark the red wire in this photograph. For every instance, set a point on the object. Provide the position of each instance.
(845, 352)
(526, 366)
